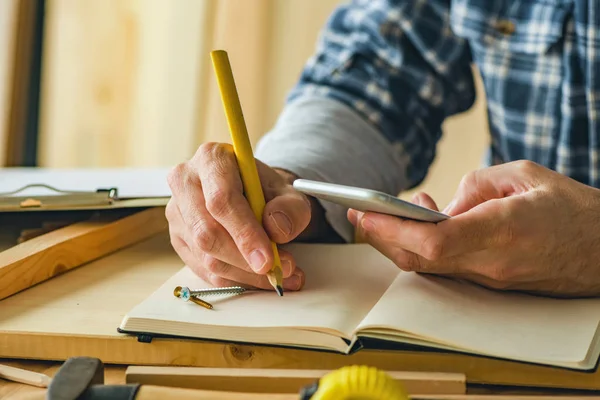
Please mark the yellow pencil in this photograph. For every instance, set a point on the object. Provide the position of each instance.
(243, 152)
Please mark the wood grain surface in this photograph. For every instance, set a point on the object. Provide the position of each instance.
(49, 255)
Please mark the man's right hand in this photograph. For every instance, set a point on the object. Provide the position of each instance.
(214, 230)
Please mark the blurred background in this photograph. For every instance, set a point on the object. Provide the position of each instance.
(129, 83)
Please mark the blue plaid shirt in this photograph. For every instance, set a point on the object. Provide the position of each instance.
(406, 65)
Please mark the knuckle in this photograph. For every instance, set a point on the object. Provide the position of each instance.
(246, 234)
(526, 166)
(170, 210)
(218, 203)
(432, 247)
(405, 260)
(214, 265)
(508, 231)
(413, 263)
(175, 175)
(214, 151)
(205, 238)
(500, 276)
(468, 180)
(175, 242)
(205, 150)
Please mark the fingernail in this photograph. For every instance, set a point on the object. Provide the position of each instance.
(416, 199)
(367, 224)
(293, 282)
(257, 260)
(286, 265)
(352, 217)
(449, 207)
(282, 222)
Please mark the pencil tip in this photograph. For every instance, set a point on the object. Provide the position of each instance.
(279, 290)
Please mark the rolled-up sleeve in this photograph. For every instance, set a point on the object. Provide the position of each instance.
(369, 105)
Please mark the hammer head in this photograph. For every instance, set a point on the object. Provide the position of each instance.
(74, 377)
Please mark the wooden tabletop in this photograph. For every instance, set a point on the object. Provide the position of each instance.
(29, 328)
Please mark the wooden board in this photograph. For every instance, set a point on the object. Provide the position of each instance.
(280, 380)
(9, 19)
(51, 254)
(119, 82)
(78, 313)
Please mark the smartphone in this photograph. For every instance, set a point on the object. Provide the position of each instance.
(367, 200)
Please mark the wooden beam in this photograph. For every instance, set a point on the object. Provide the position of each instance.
(280, 380)
(43, 257)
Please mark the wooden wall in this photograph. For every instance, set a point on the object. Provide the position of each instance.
(130, 82)
(8, 30)
(119, 81)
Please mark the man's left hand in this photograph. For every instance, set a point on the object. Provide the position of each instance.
(516, 226)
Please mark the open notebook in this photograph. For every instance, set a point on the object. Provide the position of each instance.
(354, 292)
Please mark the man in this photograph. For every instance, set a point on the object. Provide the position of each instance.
(367, 112)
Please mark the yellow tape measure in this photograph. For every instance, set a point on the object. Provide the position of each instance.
(353, 383)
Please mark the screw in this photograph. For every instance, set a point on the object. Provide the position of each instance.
(186, 294)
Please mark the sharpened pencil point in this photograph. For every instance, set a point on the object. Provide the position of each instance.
(279, 290)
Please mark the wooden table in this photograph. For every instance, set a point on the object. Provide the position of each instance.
(59, 319)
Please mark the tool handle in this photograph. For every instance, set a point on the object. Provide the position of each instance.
(24, 376)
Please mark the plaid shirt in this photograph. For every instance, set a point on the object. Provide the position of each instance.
(405, 66)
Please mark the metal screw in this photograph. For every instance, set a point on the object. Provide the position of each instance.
(186, 294)
(235, 290)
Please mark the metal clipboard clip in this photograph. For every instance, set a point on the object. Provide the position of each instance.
(59, 199)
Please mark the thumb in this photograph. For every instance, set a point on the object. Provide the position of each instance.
(286, 215)
(490, 183)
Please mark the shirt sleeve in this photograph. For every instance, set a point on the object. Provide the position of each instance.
(369, 105)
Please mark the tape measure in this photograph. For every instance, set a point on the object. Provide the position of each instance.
(353, 383)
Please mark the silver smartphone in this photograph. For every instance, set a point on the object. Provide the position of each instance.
(367, 200)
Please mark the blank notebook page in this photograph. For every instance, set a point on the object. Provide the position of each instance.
(341, 287)
(470, 317)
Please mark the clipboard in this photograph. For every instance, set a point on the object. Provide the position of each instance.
(47, 230)
(60, 199)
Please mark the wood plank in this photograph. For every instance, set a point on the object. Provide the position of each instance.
(279, 380)
(78, 313)
(119, 85)
(24, 376)
(49, 255)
